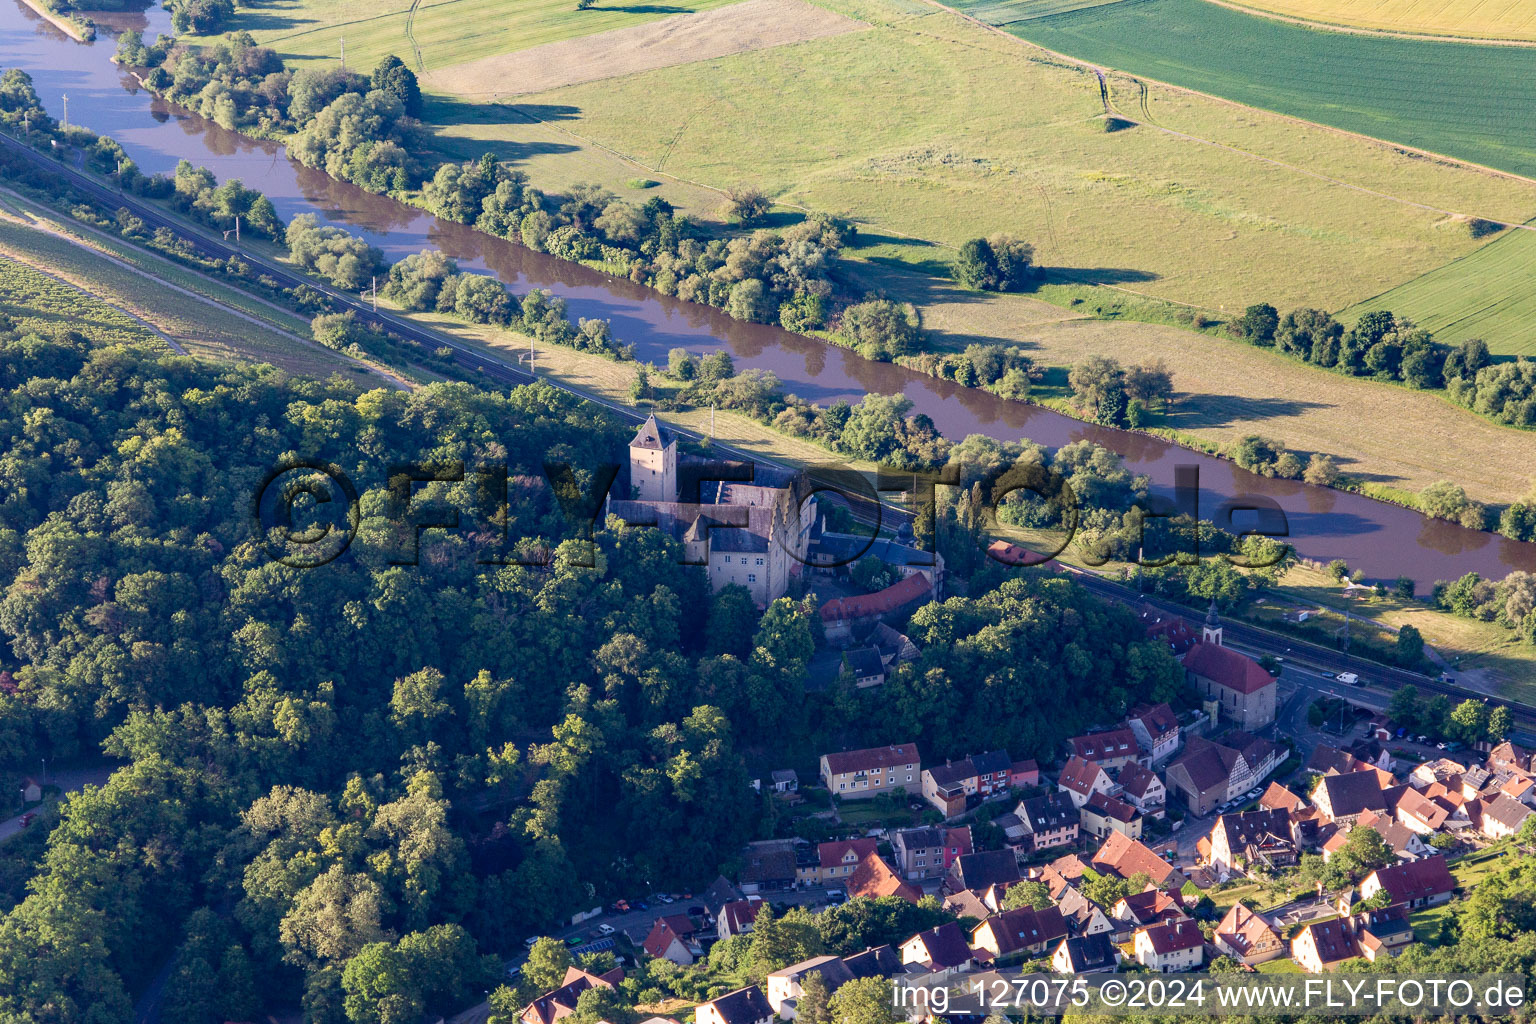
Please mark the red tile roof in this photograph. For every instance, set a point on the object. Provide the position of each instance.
(881, 602)
(844, 761)
(874, 878)
(1125, 857)
(1173, 936)
(1227, 667)
(831, 854)
(1416, 879)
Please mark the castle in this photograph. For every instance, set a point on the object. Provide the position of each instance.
(754, 534)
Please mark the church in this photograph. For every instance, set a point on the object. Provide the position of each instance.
(1245, 692)
(753, 534)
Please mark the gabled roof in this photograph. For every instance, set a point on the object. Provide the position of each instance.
(966, 903)
(651, 435)
(925, 837)
(942, 947)
(832, 854)
(989, 867)
(739, 913)
(666, 930)
(1158, 719)
(1242, 929)
(1124, 856)
(1173, 936)
(874, 962)
(561, 1002)
(864, 662)
(1013, 930)
(1111, 807)
(1226, 667)
(1104, 746)
(1350, 793)
(742, 1006)
(863, 606)
(1135, 779)
(831, 968)
(1174, 630)
(1419, 806)
(1150, 907)
(845, 761)
(1079, 775)
(1259, 828)
(874, 878)
(1415, 879)
(1086, 953)
(1507, 811)
(1278, 798)
(1047, 813)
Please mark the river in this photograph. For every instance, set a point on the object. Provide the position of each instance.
(1381, 539)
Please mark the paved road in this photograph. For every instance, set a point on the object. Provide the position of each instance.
(69, 780)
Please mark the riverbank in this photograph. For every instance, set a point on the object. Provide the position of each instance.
(81, 30)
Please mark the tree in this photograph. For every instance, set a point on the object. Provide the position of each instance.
(640, 389)
(1404, 708)
(1500, 724)
(747, 203)
(1258, 323)
(1410, 645)
(379, 988)
(392, 76)
(814, 1006)
(1028, 894)
(1321, 471)
(863, 1001)
(976, 266)
(547, 963)
(1469, 721)
(1338, 569)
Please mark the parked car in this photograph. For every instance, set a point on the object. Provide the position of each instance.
(1423, 739)
(576, 940)
(606, 929)
(531, 941)
(1440, 745)
(1253, 794)
(26, 819)
(662, 897)
(640, 905)
(836, 897)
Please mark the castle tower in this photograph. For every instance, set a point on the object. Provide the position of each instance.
(1210, 633)
(653, 463)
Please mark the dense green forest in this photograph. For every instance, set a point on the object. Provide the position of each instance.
(442, 757)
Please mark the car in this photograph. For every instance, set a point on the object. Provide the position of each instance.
(531, 941)
(836, 897)
(1327, 675)
(513, 970)
(606, 929)
(662, 897)
(28, 818)
(1423, 739)
(640, 905)
(1254, 793)
(1440, 745)
(576, 940)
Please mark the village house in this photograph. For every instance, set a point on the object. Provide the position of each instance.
(1247, 937)
(736, 917)
(1170, 946)
(561, 1003)
(1143, 910)
(1243, 841)
(859, 774)
(1103, 814)
(837, 859)
(1420, 814)
(1125, 857)
(1018, 934)
(842, 617)
(982, 870)
(1278, 798)
(1510, 757)
(1024, 774)
(1442, 770)
(1503, 816)
(1237, 683)
(957, 786)
(864, 667)
(1323, 945)
(1343, 798)
(1083, 916)
(671, 938)
(873, 878)
(1208, 774)
(1412, 884)
(1046, 821)
(873, 962)
(1143, 789)
(1085, 954)
(939, 950)
(957, 843)
(1109, 749)
(769, 865)
(1081, 779)
(784, 985)
(1173, 630)
(919, 852)
(743, 1006)
(1156, 728)
(785, 780)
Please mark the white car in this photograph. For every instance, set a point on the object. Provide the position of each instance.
(1440, 746)
(662, 897)
(1253, 793)
(606, 929)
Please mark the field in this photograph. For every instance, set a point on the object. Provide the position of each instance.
(1227, 390)
(1488, 19)
(201, 327)
(1472, 102)
(705, 35)
(432, 35)
(37, 302)
(1489, 294)
(943, 130)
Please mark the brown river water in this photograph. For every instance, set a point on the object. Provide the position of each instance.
(1382, 539)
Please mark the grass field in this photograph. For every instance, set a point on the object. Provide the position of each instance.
(442, 32)
(202, 328)
(1488, 294)
(1471, 102)
(943, 130)
(1487, 19)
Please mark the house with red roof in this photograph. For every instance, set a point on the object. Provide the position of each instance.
(671, 938)
(1413, 884)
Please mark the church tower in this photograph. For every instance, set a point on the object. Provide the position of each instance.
(1210, 633)
(653, 463)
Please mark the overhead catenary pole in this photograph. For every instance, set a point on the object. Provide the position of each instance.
(343, 53)
(66, 112)
(373, 293)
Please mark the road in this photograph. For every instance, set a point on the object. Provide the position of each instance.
(69, 780)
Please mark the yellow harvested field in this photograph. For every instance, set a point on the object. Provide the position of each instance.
(1485, 19)
(681, 39)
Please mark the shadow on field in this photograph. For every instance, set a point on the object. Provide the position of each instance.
(1095, 275)
(648, 8)
(1215, 410)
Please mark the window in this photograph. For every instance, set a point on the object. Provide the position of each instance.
(751, 577)
(759, 561)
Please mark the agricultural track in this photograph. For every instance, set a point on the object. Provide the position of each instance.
(410, 33)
